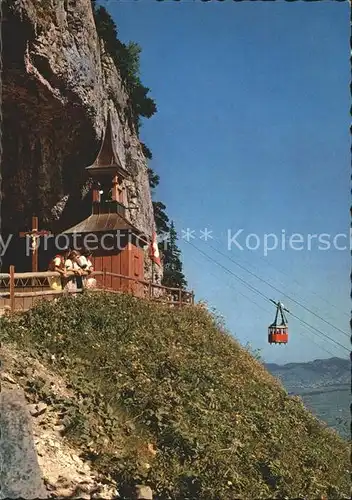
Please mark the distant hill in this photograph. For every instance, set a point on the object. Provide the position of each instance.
(312, 375)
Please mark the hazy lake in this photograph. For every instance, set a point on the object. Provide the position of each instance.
(330, 404)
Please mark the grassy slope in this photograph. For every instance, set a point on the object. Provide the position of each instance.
(165, 396)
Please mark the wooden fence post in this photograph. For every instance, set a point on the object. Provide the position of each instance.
(180, 296)
(104, 278)
(192, 300)
(12, 289)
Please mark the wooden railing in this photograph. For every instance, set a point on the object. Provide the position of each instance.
(19, 291)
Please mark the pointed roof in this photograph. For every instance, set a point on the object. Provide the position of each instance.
(97, 223)
(107, 160)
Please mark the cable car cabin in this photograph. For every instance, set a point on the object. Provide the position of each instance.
(278, 333)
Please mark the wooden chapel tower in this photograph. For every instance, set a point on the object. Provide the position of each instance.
(118, 244)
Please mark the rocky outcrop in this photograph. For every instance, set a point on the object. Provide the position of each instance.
(36, 460)
(58, 87)
(20, 475)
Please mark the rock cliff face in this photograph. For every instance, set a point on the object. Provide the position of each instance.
(58, 87)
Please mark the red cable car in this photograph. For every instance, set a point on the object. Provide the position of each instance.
(278, 333)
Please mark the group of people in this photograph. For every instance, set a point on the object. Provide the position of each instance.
(75, 269)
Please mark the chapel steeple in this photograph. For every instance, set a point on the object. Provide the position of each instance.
(109, 191)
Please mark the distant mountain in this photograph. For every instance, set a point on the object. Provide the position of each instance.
(312, 375)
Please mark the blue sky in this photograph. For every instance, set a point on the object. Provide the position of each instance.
(252, 133)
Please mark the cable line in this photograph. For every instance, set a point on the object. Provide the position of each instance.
(265, 296)
(299, 284)
(316, 343)
(237, 291)
(319, 331)
(280, 291)
(267, 310)
(231, 272)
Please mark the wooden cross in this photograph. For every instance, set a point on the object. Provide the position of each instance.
(34, 234)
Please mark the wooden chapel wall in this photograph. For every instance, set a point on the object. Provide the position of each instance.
(128, 262)
(136, 265)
